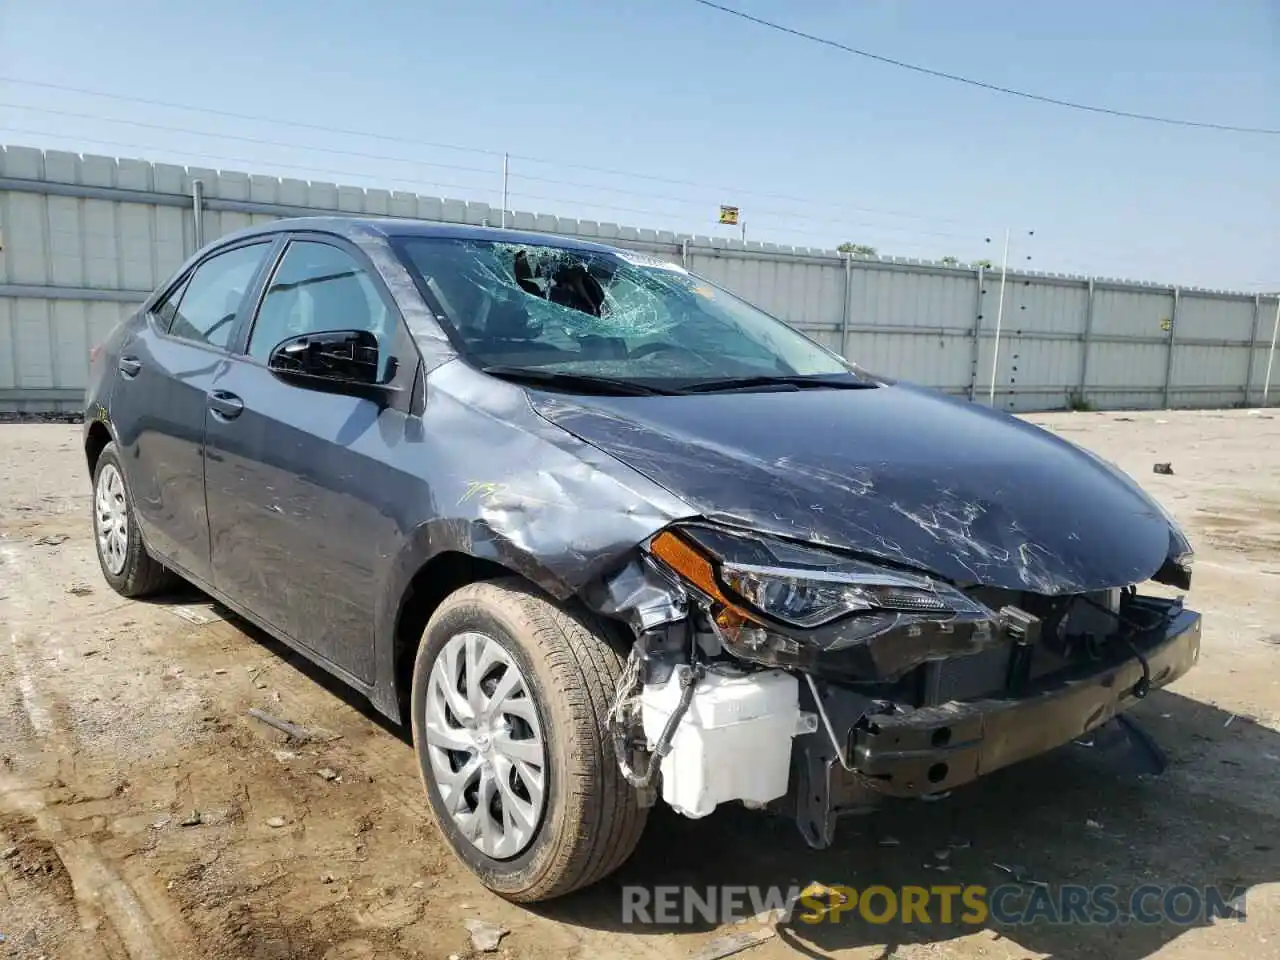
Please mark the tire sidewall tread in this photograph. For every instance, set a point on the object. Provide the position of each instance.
(592, 819)
(142, 574)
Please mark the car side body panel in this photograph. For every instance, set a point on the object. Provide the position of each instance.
(158, 415)
(323, 507)
(509, 487)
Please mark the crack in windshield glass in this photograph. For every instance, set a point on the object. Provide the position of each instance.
(603, 314)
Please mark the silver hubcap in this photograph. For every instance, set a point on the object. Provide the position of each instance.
(111, 518)
(485, 744)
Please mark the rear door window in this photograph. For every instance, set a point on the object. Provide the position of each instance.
(210, 302)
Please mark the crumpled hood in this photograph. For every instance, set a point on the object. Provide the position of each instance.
(898, 472)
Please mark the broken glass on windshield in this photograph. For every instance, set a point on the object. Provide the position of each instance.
(602, 313)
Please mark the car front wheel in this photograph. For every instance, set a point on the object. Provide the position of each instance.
(126, 565)
(509, 710)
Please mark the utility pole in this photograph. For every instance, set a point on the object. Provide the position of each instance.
(506, 170)
(995, 352)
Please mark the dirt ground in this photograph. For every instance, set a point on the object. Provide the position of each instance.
(144, 815)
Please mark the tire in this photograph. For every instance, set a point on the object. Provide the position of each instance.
(590, 820)
(125, 563)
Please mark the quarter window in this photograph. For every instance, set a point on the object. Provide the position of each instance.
(317, 288)
(211, 301)
(167, 309)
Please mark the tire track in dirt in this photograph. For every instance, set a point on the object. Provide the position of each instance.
(397, 803)
(223, 897)
(100, 891)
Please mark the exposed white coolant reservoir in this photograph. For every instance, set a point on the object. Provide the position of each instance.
(734, 743)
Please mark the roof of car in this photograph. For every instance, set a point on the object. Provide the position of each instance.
(354, 227)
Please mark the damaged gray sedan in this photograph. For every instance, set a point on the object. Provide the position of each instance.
(601, 532)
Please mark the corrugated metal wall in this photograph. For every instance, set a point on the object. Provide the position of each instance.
(83, 239)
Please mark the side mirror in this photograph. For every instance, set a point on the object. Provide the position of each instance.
(334, 357)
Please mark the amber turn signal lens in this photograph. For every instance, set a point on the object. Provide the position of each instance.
(688, 562)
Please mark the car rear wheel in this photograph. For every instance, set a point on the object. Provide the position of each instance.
(126, 565)
(509, 710)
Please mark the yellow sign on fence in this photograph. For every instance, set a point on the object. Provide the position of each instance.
(729, 215)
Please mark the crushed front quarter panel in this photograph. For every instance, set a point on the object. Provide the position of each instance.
(506, 485)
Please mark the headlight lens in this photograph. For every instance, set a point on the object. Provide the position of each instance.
(812, 599)
(802, 586)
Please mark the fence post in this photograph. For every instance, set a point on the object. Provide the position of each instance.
(684, 253)
(1253, 347)
(1173, 332)
(977, 337)
(1275, 331)
(197, 208)
(845, 310)
(1086, 340)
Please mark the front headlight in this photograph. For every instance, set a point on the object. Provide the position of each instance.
(812, 598)
(763, 594)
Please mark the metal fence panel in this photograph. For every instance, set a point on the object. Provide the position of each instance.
(1132, 312)
(9, 358)
(900, 297)
(84, 238)
(1217, 316)
(1126, 366)
(940, 361)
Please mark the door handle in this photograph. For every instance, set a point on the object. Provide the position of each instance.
(225, 405)
(130, 366)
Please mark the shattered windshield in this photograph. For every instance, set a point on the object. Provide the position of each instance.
(561, 311)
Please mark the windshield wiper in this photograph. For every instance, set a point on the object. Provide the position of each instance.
(770, 380)
(585, 382)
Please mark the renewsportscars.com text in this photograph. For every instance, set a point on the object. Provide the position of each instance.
(972, 904)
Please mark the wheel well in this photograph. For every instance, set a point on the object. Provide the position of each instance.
(438, 578)
(99, 436)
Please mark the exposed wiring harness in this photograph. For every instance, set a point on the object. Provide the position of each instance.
(624, 715)
(1130, 629)
(1158, 619)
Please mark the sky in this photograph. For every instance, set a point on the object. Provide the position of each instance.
(653, 114)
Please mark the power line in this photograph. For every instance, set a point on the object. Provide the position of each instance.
(249, 116)
(725, 191)
(756, 211)
(609, 171)
(166, 128)
(753, 210)
(416, 184)
(786, 225)
(216, 157)
(768, 216)
(756, 216)
(982, 84)
(289, 169)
